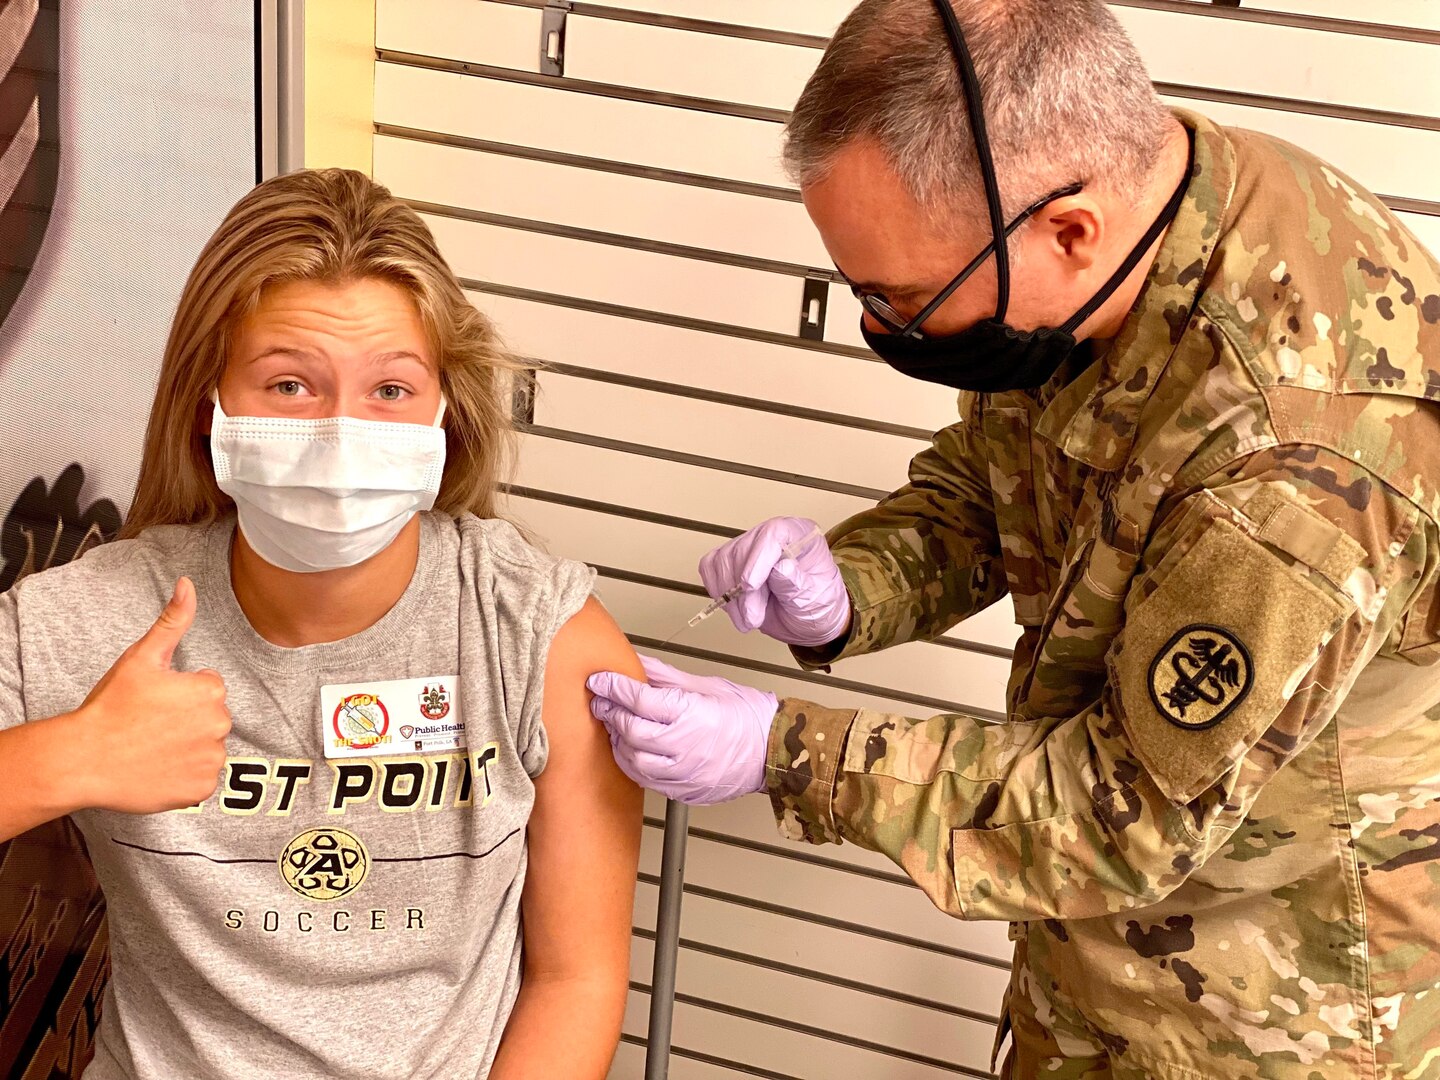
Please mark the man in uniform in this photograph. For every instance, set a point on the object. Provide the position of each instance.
(1210, 485)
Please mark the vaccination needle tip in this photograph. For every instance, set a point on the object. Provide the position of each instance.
(792, 550)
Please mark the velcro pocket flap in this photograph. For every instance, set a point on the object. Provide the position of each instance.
(1206, 663)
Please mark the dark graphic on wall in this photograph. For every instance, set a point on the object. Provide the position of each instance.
(29, 137)
(47, 527)
(54, 955)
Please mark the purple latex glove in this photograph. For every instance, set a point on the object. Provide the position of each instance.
(694, 739)
(800, 601)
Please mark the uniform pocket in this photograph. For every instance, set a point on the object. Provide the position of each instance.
(1420, 632)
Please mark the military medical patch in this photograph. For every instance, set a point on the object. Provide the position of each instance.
(1200, 677)
(1206, 662)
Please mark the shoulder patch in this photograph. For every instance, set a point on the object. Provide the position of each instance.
(1200, 677)
(1207, 662)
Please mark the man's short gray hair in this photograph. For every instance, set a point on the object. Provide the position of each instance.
(1066, 95)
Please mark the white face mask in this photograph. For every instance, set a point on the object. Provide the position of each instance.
(317, 495)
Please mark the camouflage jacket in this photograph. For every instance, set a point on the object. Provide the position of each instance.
(1219, 784)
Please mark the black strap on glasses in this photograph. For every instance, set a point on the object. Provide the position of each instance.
(912, 328)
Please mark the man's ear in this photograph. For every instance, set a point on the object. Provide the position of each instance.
(1075, 226)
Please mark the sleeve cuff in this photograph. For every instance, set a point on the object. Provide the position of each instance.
(820, 657)
(807, 748)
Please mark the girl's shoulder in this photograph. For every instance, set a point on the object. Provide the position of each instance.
(163, 553)
(520, 578)
(508, 552)
(66, 625)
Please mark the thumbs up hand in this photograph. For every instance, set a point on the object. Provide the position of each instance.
(156, 736)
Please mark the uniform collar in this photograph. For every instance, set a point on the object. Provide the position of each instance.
(1094, 418)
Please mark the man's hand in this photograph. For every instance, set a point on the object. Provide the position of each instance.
(156, 736)
(694, 739)
(800, 601)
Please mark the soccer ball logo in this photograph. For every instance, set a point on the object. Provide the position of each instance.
(324, 864)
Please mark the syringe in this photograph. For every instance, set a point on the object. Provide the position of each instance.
(792, 550)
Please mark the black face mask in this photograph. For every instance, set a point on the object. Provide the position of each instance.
(992, 357)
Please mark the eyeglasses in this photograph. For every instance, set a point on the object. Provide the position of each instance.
(880, 309)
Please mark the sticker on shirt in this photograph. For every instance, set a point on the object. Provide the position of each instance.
(390, 719)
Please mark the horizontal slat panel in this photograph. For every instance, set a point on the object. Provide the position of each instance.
(1421, 14)
(497, 34)
(787, 1053)
(691, 288)
(1395, 161)
(792, 1001)
(749, 825)
(683, 1064)
(629, 1064)
(642, 949)
(842, 318)
(663, 551)
(732, 147)
(780, 685)
(667, 487)
(607, 202)
(819, 999)
(889, 967)
(1426, 228)
(1337, 69)
(922, 669)
(668, 422)
(637, 1012)
(815, 890)
(792, 16)
(641, 547)
(746, 72)
(751, 822)
(745, 979)
(1392, 160)
(787, 376)
(994, 625)
(821, 17)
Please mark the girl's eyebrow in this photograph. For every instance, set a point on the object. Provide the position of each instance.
(285, 350)
(400, 354)
(296, 353)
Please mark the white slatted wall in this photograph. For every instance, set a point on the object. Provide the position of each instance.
(628, 223)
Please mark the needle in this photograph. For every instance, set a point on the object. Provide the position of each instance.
(792, 550)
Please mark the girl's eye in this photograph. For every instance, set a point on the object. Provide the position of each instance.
(391, 393)
(288, 388)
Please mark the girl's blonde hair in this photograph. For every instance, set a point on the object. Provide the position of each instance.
(333, 226)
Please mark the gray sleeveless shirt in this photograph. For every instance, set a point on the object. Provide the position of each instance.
(347, 904)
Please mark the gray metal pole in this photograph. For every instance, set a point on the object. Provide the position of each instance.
(667, 941)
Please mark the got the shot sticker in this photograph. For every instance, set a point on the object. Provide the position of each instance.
(391, 719)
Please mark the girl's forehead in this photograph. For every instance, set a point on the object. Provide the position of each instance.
(370, 315)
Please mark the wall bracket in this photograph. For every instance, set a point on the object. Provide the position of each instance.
(552, 37)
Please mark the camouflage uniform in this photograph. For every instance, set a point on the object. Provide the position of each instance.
(1213, 816)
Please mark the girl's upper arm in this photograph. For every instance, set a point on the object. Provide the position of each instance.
(584, 832)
